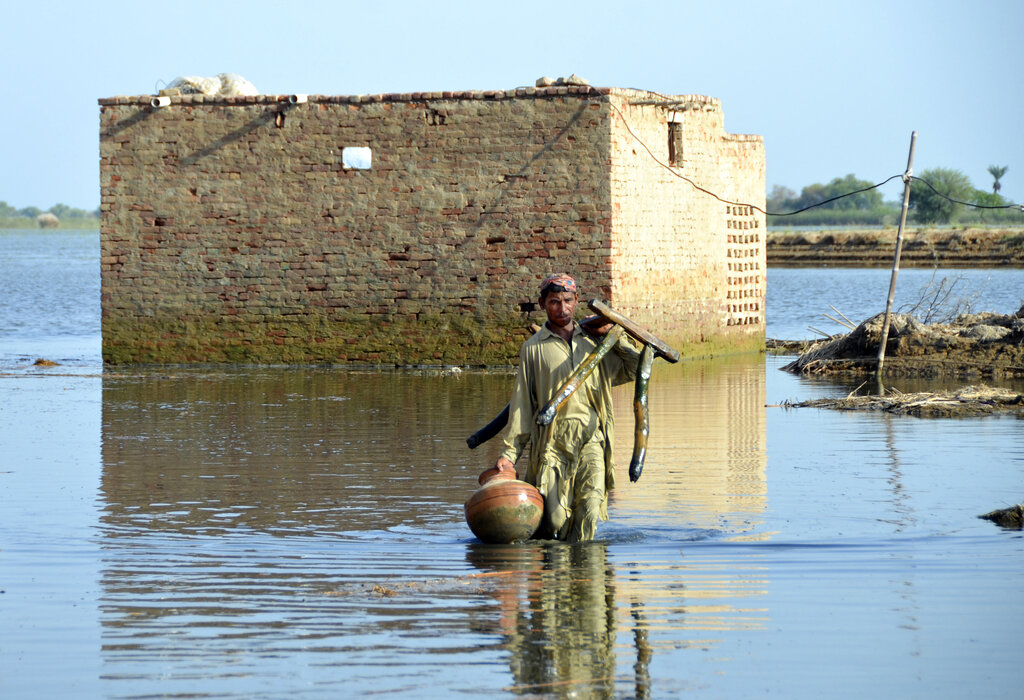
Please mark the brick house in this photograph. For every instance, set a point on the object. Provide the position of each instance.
(414, 228)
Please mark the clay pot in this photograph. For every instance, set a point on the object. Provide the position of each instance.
(504, 510)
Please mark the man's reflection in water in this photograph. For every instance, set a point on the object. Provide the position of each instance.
(558, 615)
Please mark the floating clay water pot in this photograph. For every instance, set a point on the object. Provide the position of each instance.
(504, 510)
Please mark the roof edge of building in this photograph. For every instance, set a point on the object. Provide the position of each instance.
(643, 96)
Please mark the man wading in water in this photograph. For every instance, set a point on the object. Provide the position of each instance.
(571, 458)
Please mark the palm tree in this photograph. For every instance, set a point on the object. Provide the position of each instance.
(997, 171)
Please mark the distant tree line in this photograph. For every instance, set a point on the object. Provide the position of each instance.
(947, 201)
(26, 217)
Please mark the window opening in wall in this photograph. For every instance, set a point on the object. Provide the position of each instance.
(675, 143)
(356, 157)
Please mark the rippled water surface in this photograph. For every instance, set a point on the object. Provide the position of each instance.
(280, 532)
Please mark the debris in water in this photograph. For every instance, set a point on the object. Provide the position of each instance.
(967, 401)
(43, 362)
(1012, 517)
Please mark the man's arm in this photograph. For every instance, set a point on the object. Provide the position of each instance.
(630, 357)
(624, 349)
(520, 416)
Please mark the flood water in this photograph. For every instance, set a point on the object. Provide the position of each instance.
(298, 532)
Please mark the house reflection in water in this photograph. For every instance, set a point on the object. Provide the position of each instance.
(707, 457)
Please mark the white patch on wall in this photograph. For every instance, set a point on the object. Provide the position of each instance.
(356, 158)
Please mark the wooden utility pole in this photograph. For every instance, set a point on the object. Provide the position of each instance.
(907, 176)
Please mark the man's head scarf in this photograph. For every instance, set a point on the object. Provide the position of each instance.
(561, 280)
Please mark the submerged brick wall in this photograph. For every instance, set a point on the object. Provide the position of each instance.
(232, 230)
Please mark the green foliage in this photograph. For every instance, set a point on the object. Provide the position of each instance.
(988, 199)
(868, 209)
(933, 204)
(61, 211)
(838, 187)
(992, 217)
(997, 172)
(779, 198)
(70, 217)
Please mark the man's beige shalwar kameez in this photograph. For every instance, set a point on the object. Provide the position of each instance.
(570, 459)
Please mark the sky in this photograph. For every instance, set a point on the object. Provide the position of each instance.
(835, 88)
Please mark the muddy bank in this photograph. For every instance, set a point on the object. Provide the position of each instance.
(972, 346)
(921, 247)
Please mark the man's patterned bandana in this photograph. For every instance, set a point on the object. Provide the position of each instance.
(564, 281)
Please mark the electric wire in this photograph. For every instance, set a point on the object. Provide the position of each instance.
(811, 206)
(832, 199)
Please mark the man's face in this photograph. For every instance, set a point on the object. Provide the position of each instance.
(560, 308)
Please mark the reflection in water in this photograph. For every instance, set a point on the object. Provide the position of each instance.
(558, 614)
(574, 619)
(641, 669)
(286, 452)
(256, 522)
(901, 504)
(904, 519)
(707, 453)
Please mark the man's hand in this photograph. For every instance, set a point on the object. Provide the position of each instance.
(595, 325)
(505, 465)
